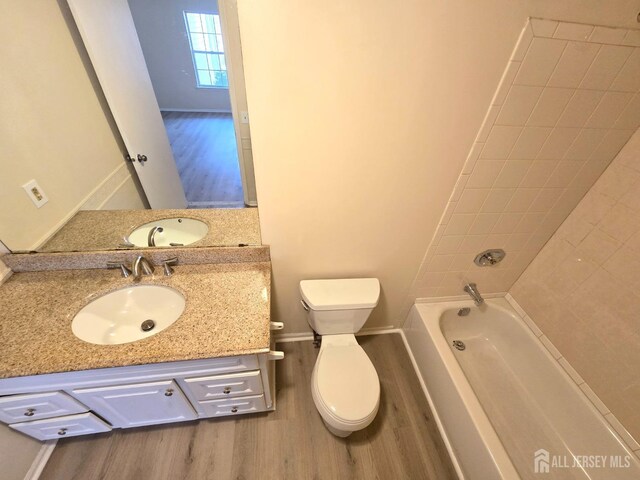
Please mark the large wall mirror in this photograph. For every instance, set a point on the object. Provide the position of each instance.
(124, 124)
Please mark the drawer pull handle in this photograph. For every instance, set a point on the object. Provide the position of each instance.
(169, 392)
(227, 390)
(234, 409)
(62, 432)
(30, 412)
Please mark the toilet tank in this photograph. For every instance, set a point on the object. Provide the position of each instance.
(338, 306)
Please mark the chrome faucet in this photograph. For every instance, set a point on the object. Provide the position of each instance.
(141, 266)
(151, 238)
(472, 290)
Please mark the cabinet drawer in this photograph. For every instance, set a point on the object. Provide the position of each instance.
(22, 408)
(233, 406)
(62, 427)
(221, 386)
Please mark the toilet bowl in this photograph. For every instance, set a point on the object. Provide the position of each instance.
(344, 384)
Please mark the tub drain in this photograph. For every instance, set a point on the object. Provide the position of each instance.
(459, 345)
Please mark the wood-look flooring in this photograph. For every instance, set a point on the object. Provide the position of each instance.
(204, 147)
(291, 443)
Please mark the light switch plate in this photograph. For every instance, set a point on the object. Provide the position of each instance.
(244, 117)
(35, 193)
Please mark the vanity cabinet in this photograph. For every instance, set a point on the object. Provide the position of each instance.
(91, 401)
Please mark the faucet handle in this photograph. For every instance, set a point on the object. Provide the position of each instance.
(166, 264)
(123, 268)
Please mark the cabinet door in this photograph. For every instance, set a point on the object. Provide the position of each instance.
(139, 404)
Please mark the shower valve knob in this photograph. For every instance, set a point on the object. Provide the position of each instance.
(489, 257)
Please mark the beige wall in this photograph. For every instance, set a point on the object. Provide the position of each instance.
(164, 41)
(52, 123)
(582, 290)
(362, 116)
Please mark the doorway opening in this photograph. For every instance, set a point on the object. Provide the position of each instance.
(188, 66)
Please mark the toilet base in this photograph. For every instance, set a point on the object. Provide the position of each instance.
(335, 431)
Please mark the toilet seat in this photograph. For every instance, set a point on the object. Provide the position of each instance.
(345, 384)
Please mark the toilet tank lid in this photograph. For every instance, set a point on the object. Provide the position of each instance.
(340, 294)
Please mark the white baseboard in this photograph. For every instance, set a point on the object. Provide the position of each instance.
(216, 205)
(306, 336)
(196, 110)
(41, 460)
(293, 337)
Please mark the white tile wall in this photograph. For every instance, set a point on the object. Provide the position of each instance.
(567, 103)
(607, 415)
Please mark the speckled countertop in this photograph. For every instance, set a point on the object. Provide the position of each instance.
(227, 313)
(104, 229)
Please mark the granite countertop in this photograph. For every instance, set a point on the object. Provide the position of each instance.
(226, 314)
(104, 229)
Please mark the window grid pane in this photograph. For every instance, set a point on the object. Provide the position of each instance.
(207, 49)
(209, 24)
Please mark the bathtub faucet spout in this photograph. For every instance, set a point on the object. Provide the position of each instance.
(472, 290)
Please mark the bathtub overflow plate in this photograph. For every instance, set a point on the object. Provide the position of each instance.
(459, 345)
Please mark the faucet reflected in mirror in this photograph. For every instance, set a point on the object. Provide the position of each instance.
(151, 239)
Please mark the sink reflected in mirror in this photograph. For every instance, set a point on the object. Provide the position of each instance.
(128, 314)
(168, 232)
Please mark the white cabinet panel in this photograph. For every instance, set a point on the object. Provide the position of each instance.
(134, 405)
(221, 386)
(21, 408)
(232, 406)
(61, 427)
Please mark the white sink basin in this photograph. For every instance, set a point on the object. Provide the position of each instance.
(176, 231)
(128, 314)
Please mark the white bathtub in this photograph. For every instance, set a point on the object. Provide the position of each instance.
(504, 397)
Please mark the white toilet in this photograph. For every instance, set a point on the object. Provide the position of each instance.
(344, 383)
